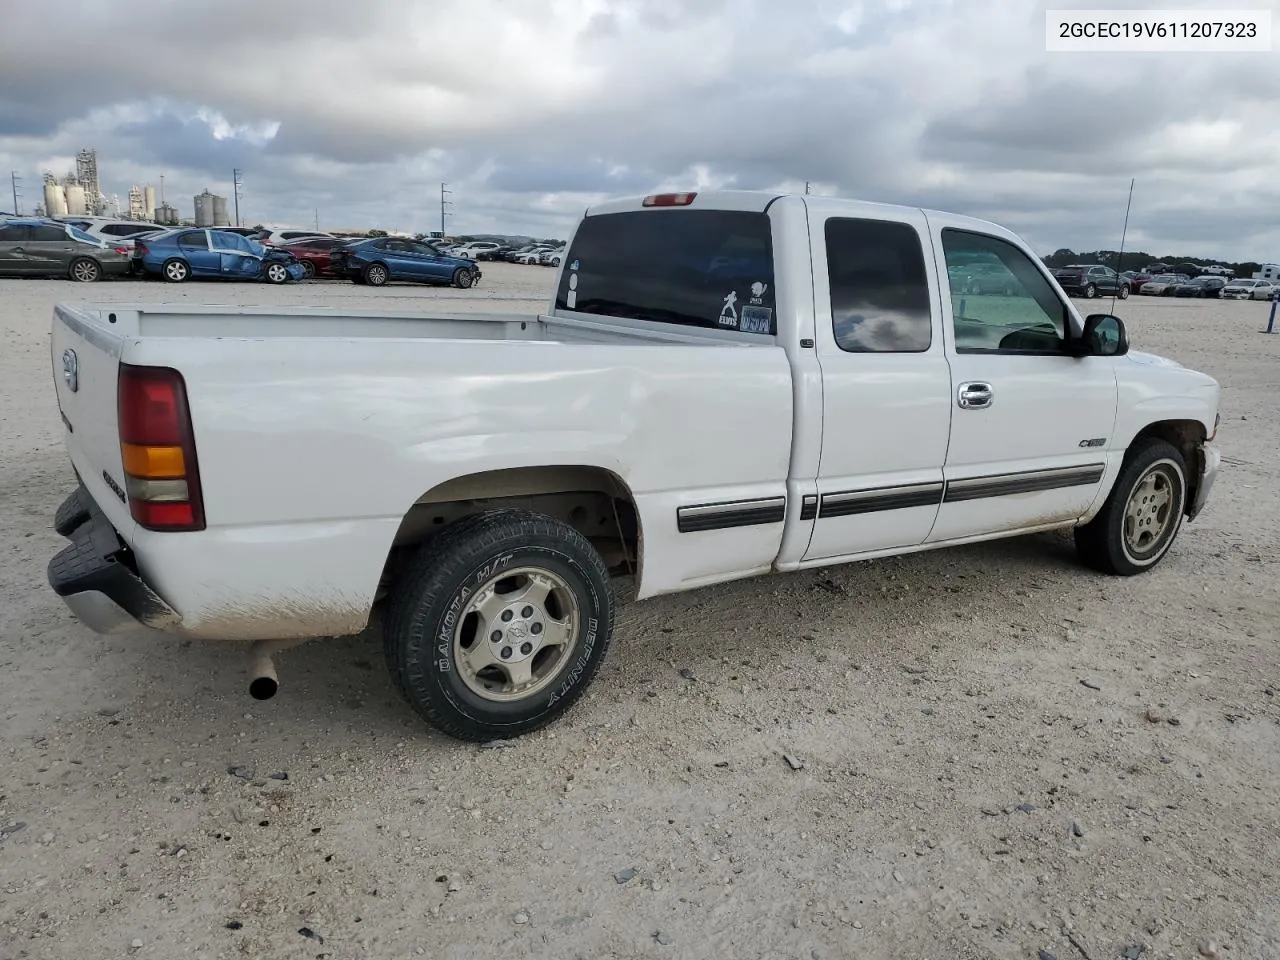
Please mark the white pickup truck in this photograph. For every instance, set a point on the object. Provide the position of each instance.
(724, 384)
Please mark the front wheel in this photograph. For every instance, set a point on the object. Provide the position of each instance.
(1124, 292)
(1143, 513)
(375, 275)
(308, 270)
(463, 278)
(86, 270)
(276, 272)
(1090, 292)
(499, 624)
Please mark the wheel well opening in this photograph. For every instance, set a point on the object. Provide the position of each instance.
(592, 500)
(1188, 436)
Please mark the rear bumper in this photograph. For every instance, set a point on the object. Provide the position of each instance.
(1211, 460)
(116, 268)
(95, 575)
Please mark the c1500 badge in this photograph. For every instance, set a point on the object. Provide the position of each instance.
(1095, 442)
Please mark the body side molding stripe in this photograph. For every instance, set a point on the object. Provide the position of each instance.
(853, 502)
(733, 513)
(1029, 481)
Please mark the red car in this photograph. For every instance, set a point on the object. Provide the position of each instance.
(314, 254)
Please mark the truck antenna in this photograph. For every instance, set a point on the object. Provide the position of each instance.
(1123, 233)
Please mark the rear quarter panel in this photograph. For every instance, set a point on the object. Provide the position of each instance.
(311, 452)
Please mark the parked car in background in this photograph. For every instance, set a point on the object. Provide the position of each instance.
(315, 254)
(1135, 279)
(1162, 285)
(1090, 280)
(480, 250)
(118, 232)
(1206, 286)
(381, 259)
(275, 238)
(33, 247)
(1247, 290)
(550, 258)
(1218, 270)
(184, 254)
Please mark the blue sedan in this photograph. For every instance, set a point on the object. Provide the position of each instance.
(393, 258)
(178, 255)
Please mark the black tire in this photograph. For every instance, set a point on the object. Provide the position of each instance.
(175, 270)
(463, 278)
(375, 274)
(1090, 291)
(1124, 292)
(275, 272)
(428, 620)
(308, 270)
(1103, 544)
(85, 270)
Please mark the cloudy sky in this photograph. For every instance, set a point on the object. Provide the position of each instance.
(532, 109)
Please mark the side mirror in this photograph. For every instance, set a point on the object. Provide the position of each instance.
(1104, 336)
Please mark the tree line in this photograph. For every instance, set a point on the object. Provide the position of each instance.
(1137, 259)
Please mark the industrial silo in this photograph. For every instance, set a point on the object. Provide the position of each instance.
(149, 204)
(204, 209)
(55, 200)
(220, 212)
(75, 200)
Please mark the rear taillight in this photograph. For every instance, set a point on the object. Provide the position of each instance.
(158, 448)
(122, 250)
(139, 248)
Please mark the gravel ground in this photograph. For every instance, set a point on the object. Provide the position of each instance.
(992, 751)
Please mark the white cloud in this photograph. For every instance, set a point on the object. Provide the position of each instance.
(531, 110)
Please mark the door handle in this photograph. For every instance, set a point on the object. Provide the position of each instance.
(974, 396)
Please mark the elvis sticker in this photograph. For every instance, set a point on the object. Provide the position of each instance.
(729, 312)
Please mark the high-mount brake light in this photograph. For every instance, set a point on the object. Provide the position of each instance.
(669, 199)
(157, 446)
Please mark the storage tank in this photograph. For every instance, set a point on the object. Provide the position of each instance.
(204, 209)
(149, 204)
(220, 212)
(55, 201)
(75, 200)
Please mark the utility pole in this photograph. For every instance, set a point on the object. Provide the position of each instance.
(806, 188)
(235, 186)
(443, 203)
(317, 219)
(13, 182)
(162, 189)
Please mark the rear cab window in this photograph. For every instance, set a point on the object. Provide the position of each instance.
(711, 269)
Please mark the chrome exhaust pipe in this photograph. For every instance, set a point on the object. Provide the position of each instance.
(263, 682)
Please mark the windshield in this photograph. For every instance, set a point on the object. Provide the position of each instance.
(83, 237)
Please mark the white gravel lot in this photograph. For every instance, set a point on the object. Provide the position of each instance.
(963, 793)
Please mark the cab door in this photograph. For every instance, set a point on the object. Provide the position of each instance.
(886, 388)
(1030, 424)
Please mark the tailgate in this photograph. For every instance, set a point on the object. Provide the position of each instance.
(85, 354)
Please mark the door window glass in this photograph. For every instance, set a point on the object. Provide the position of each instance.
(1014, 311)
(879, 288)
(14, 234)
(195, 240)
(48, 234)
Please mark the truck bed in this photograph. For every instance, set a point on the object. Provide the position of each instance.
(318, 432)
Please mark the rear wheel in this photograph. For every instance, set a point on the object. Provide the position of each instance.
(499, 624)
(375, 274)
(463, 278)
(1090, 291)
(1143, 513)
(85, 270)
(175, 271)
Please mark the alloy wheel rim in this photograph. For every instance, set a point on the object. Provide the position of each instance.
(516, 634)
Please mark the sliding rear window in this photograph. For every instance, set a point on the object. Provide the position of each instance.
(696, 268)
